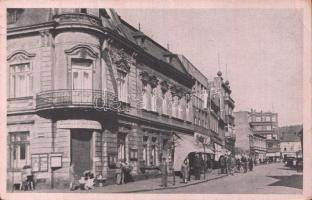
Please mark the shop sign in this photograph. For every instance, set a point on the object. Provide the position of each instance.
(85, 124)
(56, 160)
(203, 139)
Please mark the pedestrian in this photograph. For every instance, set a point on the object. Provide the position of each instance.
(119, 172)
(89, 184)
(229, 165)
(238, 165)
(244, 163)
(232, 165)
(72, 177)
(222, 164)
(185, 168)
(250, 163)
(197, 167)
(164, 172)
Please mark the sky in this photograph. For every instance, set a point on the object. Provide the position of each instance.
(262, 49)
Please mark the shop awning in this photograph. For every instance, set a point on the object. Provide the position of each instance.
(184, 145)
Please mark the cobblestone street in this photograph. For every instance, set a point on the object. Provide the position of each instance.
(265, 179)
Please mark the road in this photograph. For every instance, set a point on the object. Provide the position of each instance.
(265, 179)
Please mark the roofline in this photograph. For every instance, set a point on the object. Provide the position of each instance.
(146, 36)
(29, 29)
(207, 82)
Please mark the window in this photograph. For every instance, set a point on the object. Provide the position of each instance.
(112, 160)
(267, 118)
(19, 149)
(269, 136)
(13, 14)
(273, 118)
(81, 74)
(83, 10)
(153, 152)
(153, 99)
(258, 119)
(121, 145)
(146, 97)
(145, 158)
(268, 128)
(20, 80)
(122, 85)
(133, 154)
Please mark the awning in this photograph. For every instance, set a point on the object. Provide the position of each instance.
(184, 145)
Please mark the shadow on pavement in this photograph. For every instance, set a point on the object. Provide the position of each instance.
(294, 181)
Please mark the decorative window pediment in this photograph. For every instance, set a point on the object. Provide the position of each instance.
(153, 81)
(164, 86)
(144, 77)
(20, 56)
(121, 59)
(84, 51)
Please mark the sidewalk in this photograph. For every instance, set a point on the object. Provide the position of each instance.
(151, 184)
(154, 184)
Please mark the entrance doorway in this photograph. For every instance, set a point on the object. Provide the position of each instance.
(81, 150)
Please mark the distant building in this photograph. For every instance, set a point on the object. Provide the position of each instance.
(257, 146)
(265, 124)
(290, 141)
(243, 131)
(222, 118)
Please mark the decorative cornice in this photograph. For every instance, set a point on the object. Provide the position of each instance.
(21, 54)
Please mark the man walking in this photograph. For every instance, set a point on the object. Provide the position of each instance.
(244, 162)
(164, 172)
(197, 167)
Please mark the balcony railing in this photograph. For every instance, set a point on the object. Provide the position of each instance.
(78, 18)
(97, 99)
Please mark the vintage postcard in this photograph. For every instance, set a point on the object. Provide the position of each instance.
(156, 99)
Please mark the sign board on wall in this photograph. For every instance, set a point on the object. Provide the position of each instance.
(39, 162)
(56, 160)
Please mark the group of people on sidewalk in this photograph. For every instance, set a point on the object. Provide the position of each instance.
(229, 164)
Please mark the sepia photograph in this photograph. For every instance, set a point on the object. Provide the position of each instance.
(154, 100)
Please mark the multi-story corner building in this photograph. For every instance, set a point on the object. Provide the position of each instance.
(265, 124)
(290, 141)
(87, 89)
(222, 118)
(248, 142)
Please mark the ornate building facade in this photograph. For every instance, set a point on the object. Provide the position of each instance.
(87, 89)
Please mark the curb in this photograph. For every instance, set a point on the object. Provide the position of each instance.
(172, 187)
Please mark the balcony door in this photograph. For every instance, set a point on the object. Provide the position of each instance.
(82, 81)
